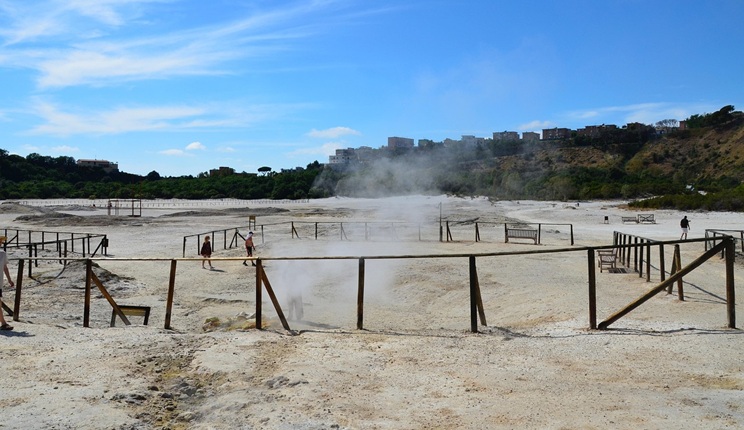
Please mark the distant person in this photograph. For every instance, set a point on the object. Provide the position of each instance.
(206, 252)
(249, 248)
(685, 225)
(4, 263)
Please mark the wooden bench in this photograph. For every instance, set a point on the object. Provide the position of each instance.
(521, 233)
(137, 311)
(646, 219)
(630, 219)
(607, 258)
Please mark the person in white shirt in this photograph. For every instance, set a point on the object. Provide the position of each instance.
(5, 272)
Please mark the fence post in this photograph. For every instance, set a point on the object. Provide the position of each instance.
(259, 277)
(19, 285)
(730, 294)
(680, 288)
(572, 236)
(473, 298)
(171, 292)
(592, 289)
(86, 307)
(648, 261)
(360, 296)
(539, 232)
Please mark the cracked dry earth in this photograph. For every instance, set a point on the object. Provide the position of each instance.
(416, 364)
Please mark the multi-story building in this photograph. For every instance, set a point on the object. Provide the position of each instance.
(222, 171)
(399, 143)
(530, 137)
(506, 136)
(556, 133)
(106, 165)
(343, 156)
(595, 130)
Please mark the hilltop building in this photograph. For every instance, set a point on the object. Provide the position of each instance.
(530, 137)
(595, 130)
(399, 143)
(505, 136)
(556, 133)
(222, 171)
(106, 165)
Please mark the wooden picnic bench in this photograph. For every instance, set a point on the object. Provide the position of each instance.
(520, 233)
(137, 311)
(630, 219)
(646, 219)
(607, 258)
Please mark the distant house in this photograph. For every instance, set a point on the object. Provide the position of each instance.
(106, 165)
(399, 143)
(222, 171)
(595, 130)
(556, 133)
(506, 136)
(530, 136)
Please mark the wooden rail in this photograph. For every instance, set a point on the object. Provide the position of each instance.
(476, 304)
(227, 238)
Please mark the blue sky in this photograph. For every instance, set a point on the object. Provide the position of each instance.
(184, 86)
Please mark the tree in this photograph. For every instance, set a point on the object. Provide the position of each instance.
(667, 123)
(265, 170)
(153, 176)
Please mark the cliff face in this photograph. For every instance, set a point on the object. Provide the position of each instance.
(688, 155)
(710, 153)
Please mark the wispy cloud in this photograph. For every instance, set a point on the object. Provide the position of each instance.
(194, 146)
(333, 133)
(326, 149)
(77, 42)
(65, 149)
(535, 125)
(58, 121)
(646, 113)
(175, 153)
(118, 120)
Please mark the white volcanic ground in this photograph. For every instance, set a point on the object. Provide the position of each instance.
(668, 364)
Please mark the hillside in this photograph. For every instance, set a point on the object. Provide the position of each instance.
(634, 162)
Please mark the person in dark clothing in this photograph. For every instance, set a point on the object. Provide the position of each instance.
(685, 225)
(206, 252)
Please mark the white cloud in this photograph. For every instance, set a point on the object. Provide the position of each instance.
(78, 42)
(645, 113)
(535, 125)
(325, 149)
(60, 122)
(64, 149)
(193, 146)
(333, 133)
(175, 153)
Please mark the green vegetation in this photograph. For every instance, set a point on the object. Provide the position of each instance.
(39, 177)
(658, 167)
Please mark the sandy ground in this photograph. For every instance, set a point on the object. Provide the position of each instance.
(415, 365)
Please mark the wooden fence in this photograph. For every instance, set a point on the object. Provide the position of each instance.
(477, 311)
(227, 238)
(61, 242)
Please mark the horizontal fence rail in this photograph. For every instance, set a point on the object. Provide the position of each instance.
(476, 305)
(158, 203)
(715, 234)
(227, 238)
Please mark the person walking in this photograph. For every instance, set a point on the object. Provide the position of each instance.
(249, 248)
(685, 225)
(5, 272)
(206, 252)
